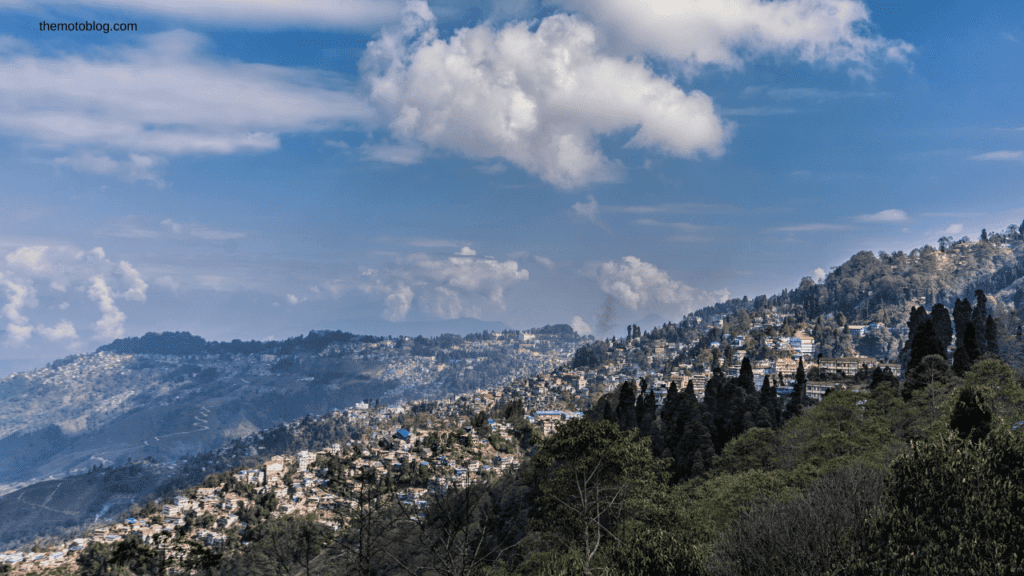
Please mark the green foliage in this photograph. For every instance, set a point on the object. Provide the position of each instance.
(971, 419)
(804, 535)
(951, 507)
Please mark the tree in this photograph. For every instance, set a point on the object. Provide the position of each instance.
(992, 336)
(943, 326)
(961, 316)
(805, 535)
(971, 419)
(467, 529)
(587, 475)
(798, 400)
(625, 411)
(978, 318)
(747, 376)
(950, 507)
(923, 343)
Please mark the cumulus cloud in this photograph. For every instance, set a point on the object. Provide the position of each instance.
(452, 287)
(641, 285)
(111, 324)
(466, 251)
(884, 216)
(64, 330)
(537, 98)
(698, 33)
(954, 229)
(125, 109)
(818, 274)
(1000, 155)
(581, 327)
(30, 270)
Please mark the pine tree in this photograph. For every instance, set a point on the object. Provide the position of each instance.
(971, 343)
(992, 336)
(924, 343)
(961, 316)
(971, 419)
(978, 318)
(625, 412)
(797, 401)
(961, 361)
(943, 325)
(747, 376)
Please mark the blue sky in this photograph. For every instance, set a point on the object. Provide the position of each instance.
(390, 167)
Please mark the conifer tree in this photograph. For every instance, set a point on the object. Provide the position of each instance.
(991, 336)
(971, 419)
(943, 325)
(978, 318)
(797, 401)
(971, 343)
(961, 316)
(747, 376)
(961, 361)
(924, 343)
(625, 412)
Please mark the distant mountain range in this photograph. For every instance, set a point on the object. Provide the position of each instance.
(161, 397)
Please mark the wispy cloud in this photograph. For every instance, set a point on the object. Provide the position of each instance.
(816, 227)
(66, 103)
(883, 216)
(1000, 155)
(677, 225)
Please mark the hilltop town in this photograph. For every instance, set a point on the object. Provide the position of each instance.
(430, 445)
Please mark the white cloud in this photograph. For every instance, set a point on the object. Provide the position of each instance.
(292, 299)
(954, 229)
(686, 226)
(698, 33)
(125, 109)
(884, 216)
(66, 270)
(818, 274)
(404, 154)
(64, 330)
(640, 285)
(398, 303)
(200, 231)
(588, 209)
(538, 99)
(18, 334)
(545, 262)
(86, 162)
(581, 327)
(452, 287)
(111, 324)
(258, 14)
(466, 251)
(137, 286)
(1000, 155)
(19, 296)
(816, 227)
